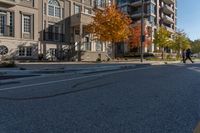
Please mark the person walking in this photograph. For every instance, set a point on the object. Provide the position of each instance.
(188, 55)
(183, 56)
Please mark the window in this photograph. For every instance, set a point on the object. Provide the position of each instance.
(56, 33)
(21, 51)
(87, 44)
(51, 10)
(2, 24)
(54, 8)
(25, 51)
(77, 9)
(63, 15)
(27, 24)
(50, 32)
(28, 51)
(99, 46)
(87, 11)
(6, 25)
(57, 12)
(11, 24)
(101, 3)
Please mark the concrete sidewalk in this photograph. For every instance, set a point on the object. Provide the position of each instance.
(41, 68)
(6, 73)
(62, 65)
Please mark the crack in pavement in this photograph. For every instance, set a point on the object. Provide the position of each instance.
(55, 95)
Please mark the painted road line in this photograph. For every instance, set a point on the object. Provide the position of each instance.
(71, 79)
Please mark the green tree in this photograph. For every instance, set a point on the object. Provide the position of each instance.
(180, 42)
(162, 39)
(195, 46)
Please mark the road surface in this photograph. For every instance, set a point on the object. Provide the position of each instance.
(151, 99)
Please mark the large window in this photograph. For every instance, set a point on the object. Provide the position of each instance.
(54, 8)
(27, 23)
(6, 25)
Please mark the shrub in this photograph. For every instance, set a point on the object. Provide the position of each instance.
(40, 56)
(137, 55)
(8, 64)
(98, 59)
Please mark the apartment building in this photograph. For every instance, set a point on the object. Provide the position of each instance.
(18, 28)
(62, 29)
(51, 29)
(156, 12)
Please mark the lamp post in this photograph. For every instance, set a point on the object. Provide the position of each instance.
(142, 32)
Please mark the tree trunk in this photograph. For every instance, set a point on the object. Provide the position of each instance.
(114, 51)
(163, 53)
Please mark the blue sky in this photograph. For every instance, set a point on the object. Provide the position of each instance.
(189, 17)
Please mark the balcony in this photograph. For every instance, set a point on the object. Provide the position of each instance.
(10, 2)
(6, 31)
(139, 2)
(81, 18)
(136, 14)
(167, 19)
(100, 6)
(170, 29)
(167, 9)
(169, 1)
(53, 37)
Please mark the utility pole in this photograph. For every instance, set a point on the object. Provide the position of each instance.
(142, 32)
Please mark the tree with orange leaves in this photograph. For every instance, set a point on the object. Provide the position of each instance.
(110, 25)
(135, 39)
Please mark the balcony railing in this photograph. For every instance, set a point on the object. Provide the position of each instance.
(139, 2)
(53, 37)
(169, 1)
(167, 9)
(81, 18)
(168, 19)
(6, 31)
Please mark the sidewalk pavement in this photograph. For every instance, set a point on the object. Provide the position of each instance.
(56, 65)
(6, 73)
(41, 68)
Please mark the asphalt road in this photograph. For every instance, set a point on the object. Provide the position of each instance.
(155, 99)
